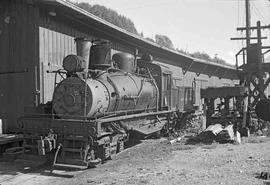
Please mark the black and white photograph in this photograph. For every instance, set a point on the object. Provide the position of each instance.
(142, 92)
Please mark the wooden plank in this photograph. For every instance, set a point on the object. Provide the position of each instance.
(12, 94)
(50, 44)
(58, 50)
(4, 53)
(41, 63)
(21, 54)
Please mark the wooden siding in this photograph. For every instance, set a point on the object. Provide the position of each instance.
(53, 47)
(56, 40)
(18, 51)
(4, 54)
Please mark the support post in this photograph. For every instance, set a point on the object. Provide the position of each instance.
(248, 20)
(259, 52)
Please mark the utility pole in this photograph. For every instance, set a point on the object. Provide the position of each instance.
(251, 72)
(248, 21)
(260, 61)
(253, 58)
(254, 66)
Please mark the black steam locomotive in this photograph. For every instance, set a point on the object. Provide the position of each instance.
(97, 104)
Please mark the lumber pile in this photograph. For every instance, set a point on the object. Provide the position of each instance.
(226, 135)
(208, 135)
(216, 133)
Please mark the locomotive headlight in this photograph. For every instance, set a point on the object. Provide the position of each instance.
(74, 63)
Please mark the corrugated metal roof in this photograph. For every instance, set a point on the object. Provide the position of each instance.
(183, 60)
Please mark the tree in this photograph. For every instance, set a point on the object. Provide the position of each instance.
(201, 55)
(110, 16)
(148, 38)
(206, 57)
(165, 41)
(182, 51)
(219, 60)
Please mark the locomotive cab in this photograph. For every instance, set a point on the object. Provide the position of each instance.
(163, 78)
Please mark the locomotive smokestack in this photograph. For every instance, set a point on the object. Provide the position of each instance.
(83, 49)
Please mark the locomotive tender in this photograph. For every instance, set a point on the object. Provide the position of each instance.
(97, 104)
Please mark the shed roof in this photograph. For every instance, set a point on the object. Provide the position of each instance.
(187, 63)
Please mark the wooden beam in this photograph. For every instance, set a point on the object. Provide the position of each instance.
(253, 28)
(203, 69)
(244, 38)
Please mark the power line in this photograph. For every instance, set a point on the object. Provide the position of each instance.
(240, 43)
(262, 15)
(259, 13)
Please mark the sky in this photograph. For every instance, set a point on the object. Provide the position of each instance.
(193, 25)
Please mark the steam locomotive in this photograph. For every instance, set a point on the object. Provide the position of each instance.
(97, 104)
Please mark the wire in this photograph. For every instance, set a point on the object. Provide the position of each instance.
(238, 12)
(267, 3)
(240, 19)
(259, 14)
(263, 19)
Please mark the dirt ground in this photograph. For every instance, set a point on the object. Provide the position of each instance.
(155, 162)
